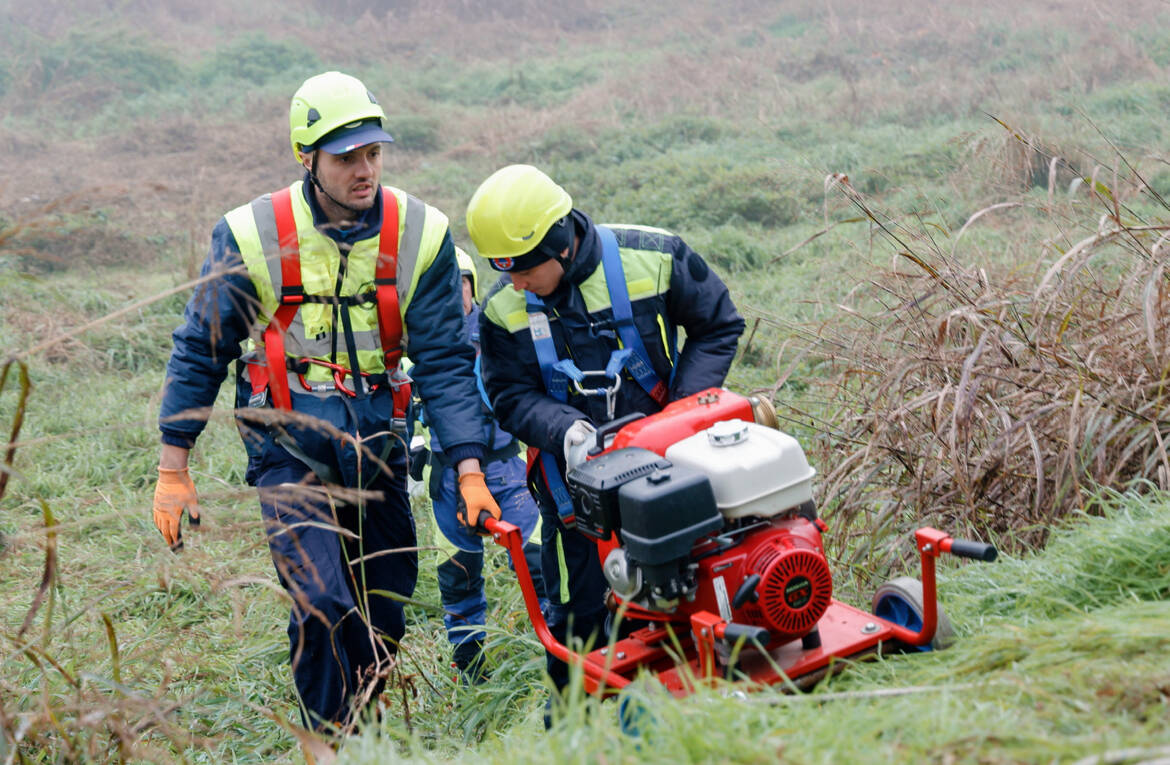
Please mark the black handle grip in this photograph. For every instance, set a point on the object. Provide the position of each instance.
(480, 522)
(613, 426)
(746, 592)
(965, 548)
(734, 632)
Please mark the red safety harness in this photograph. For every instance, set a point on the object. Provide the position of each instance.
(273, 375)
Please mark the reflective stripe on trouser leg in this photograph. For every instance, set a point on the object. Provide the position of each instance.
(572, 576)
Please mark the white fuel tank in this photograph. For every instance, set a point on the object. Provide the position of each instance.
(753, 469)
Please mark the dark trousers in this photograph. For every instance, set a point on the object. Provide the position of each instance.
(576, 588)
(338, 561)
(462, 592)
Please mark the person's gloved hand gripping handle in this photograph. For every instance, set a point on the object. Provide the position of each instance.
(173, 493)
(579, 440)
(474, 496)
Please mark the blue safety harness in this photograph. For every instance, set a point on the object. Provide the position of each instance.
(558, 372)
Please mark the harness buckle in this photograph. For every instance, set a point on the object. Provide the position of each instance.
(292, 295)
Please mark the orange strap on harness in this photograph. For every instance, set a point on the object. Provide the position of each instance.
(273, 376)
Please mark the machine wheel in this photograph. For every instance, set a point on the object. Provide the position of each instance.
(900, 601)
(636, 709)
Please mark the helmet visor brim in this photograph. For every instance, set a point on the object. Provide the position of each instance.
(346, 138)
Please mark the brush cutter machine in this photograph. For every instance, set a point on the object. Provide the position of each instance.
(709, 539)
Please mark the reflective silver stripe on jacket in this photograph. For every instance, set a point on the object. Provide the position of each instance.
(296, 344)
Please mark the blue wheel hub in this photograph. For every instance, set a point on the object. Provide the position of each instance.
(896, 609)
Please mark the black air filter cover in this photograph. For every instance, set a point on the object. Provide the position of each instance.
(594, 486)
(665, 512)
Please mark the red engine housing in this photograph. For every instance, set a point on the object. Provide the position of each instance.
(795, 585)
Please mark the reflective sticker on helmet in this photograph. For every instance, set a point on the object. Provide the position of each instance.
(504, 264)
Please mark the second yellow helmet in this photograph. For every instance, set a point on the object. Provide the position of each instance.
(467, 268)
(513, 209)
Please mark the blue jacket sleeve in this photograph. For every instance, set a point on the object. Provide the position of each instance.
(216, 321)
(444, 359)
(699, 302)
(511, 375)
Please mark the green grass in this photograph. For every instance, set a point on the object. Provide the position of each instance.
(1060, 655)
(721, 126)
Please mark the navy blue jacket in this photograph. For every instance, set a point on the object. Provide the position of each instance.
(697, 301)
(221, 313)
(497, 439)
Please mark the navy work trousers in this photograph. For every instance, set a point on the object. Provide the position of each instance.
(576, 587)
(337, 560)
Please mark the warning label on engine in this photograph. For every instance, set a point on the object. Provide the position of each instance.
(724, 601)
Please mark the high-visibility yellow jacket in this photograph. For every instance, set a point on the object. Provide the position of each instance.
(243, 279)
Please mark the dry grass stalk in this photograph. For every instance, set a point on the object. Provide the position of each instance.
(989, 403)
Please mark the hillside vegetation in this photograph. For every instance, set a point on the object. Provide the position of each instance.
(945, 223)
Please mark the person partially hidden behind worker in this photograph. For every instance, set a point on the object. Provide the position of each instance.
(598, 296)
(316, 285)
(460, 572)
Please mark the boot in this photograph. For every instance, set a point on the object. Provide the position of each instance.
(468, 659)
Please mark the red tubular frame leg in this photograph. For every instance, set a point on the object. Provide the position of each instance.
(931, 543)
(707, 628)
(507, 535)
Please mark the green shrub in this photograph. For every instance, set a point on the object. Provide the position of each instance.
(414, 132)
(565, 141)
(132, 62)
(791, 26)
(686, 129)
(256, 59)
(675, 134)
(536, 85)
(753, 193)
(1154, 40)
(733, 246)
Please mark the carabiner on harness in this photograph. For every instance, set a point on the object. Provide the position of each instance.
(339, 375)
(612, 371)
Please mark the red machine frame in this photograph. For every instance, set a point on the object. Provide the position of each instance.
(845, 632)
(681, 648)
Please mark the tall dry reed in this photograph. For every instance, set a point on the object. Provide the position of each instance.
(992, 400)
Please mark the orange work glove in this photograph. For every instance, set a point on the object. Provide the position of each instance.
(174, 492)
(474, 498)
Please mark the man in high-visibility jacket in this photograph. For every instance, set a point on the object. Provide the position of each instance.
(315, 286)
(601, 297)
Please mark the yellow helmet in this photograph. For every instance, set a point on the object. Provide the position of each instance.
(512, 210)
(467, 268)
(330, 102)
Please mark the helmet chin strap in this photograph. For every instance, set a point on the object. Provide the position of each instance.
(566, 261)
(317, 182)
(570, 251)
